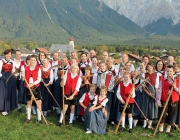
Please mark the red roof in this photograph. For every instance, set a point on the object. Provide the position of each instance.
(135, 56)
(156, 58)
(42, 50)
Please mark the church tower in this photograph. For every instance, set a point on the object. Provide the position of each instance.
(71, 41)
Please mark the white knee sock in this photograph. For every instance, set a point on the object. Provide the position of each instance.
(61, 117)
(150, 123)
(145, 123)
(29, 113)
(38, 114)
(71, 118)
(130, 122)
(161, 128)
(168, 129)
(123, 121)
(135, 122)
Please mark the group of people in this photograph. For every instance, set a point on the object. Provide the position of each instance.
(93, 90)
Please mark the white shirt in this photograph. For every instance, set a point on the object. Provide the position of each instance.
(158, 95)
(78, 84)
(95, 70)
(23, 68)
(103, 103)
(9, 62)
(55, 69)
(118, 94)
(17, 65)
(91, 97)
(95, 76)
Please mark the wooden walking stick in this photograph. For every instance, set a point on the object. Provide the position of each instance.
(51, 94)
(176, 126)
(63, 113)
(124, 109)
(142, 113)
(33, 98)
(169, 96)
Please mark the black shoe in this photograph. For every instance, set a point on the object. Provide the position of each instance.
(130, 130)
(40, 121)
(58, 124)
(20, 110)
(169, 134)
(122, 129)
(27, 121)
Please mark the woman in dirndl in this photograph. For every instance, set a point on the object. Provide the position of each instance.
(148, 104)
(8, 92)
(47, 80)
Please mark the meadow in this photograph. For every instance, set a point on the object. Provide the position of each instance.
(14, 128)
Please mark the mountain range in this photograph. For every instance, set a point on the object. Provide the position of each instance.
(160, 17)
(88, 21)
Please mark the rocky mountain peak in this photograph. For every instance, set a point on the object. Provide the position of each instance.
(144, 12)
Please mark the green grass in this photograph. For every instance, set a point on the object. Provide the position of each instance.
(12, 127)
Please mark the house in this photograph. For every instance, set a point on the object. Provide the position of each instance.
(134, 58)
(63, 48)
(38, 50)
(164, 50)
(164, 57)
(26, 52)
(155, 58)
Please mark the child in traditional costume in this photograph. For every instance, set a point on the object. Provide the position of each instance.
(96, 115)
(72, 83)
(125, 88)
(166, 83)
(32, 74)
(87, 99)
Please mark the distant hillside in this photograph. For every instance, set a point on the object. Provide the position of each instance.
(88, 21)
(160, 27)
(164, 27)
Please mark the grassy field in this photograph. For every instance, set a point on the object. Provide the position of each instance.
(14, 128)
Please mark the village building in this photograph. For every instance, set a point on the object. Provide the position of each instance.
(63, 48)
